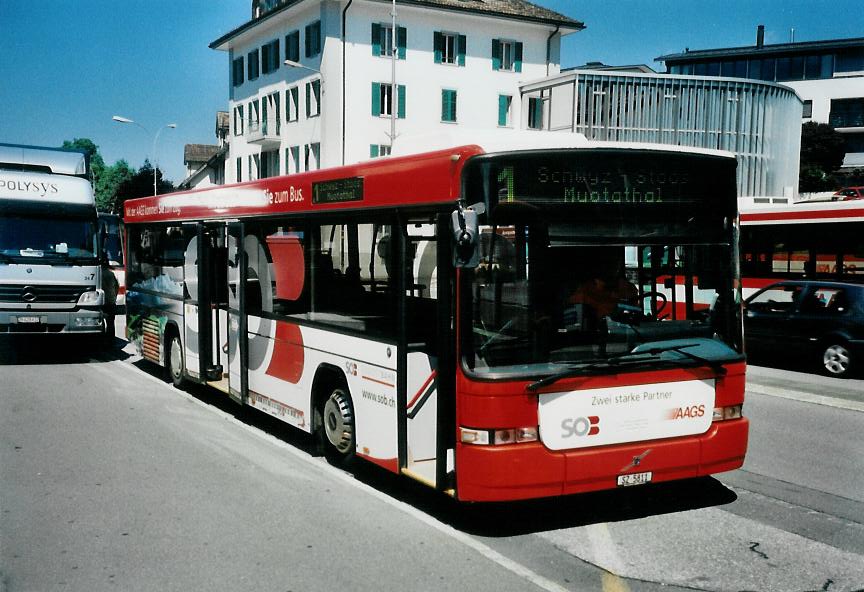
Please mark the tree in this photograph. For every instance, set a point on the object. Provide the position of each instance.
(114, 184)
(822, 153)
(102, 177)
(140, 184)
(90, 149)
(108, 183)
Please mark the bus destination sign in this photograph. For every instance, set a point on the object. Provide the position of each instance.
(337, 190)
(575, 186)
(620, 181)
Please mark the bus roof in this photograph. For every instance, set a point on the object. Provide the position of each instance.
(43, 187)
(431, 178)
(59, 161)
(406, 178)
(806, 213)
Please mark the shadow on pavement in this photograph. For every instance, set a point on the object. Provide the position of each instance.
(526, 517)
(59, 349)
(489, 519)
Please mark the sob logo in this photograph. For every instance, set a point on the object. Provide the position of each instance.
(580, 426)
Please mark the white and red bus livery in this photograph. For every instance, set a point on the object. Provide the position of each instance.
(807, 240)
(484, 320)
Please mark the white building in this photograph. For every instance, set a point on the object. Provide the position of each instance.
(827, 75)
(459, 63)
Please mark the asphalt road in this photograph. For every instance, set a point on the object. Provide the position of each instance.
(111, 479)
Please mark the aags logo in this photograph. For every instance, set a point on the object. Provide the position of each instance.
(580, 426)
(692, 412)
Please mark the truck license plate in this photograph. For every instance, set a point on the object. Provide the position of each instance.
(634, 479)
(28, 319)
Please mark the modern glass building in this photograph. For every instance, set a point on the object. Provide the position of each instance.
(828, 75)
(760, 122)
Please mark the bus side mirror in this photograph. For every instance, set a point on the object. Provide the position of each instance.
(464, 226)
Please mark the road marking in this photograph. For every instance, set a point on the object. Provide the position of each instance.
(612, 583)
(805, 397)
(604, 548)
(487, 552)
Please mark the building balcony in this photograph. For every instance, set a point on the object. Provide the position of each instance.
(263, 133)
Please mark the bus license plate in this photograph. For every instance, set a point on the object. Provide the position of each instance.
(28, 319)
(634, 479)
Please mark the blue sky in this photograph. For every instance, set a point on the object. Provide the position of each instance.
(68, 65)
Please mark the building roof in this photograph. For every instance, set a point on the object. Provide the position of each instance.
(754, 50)
(512, 9)
(216, 160)
(198, 152)
(643, 68)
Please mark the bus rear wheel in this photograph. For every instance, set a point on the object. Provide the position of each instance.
(336, 427)
(175, 361)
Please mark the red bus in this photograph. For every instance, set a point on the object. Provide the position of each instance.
(485, 320)
(809, 240)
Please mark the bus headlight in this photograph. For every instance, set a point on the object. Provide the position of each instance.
(92, 298)
(497, 437)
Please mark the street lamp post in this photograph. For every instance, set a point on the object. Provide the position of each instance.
(120, 119)
(293, 64)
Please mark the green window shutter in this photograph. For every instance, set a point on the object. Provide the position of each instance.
(496, 54)
(288, 105)
(376, 39)
(308, 40)
(502, 110)
(292, 46)
(308, 100)
(448, 105)
(376, 99)
(400, 113)
(373, 151)
(401, 41)
(462, 44)
(438, 45)
(518, 58)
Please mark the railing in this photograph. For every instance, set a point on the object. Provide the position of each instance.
(264, 132)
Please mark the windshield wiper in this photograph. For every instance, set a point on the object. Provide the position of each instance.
(629, 359)
(716, 365)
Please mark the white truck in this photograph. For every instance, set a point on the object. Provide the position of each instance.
(52, 274)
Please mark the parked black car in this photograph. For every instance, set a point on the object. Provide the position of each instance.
(823, 321)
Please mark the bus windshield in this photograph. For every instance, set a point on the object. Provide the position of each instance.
(539, 301)
(27, 238)
(587, 261)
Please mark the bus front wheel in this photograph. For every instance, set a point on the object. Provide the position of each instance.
(336, 426)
